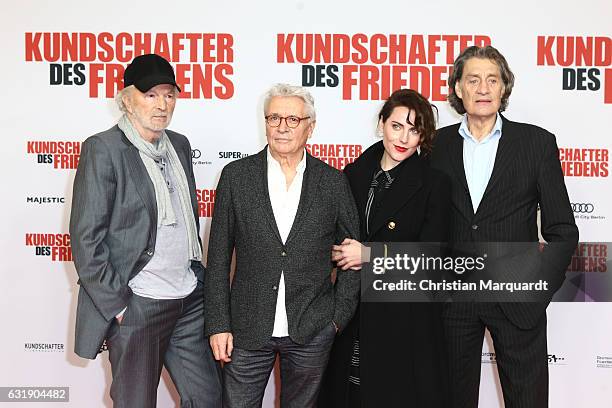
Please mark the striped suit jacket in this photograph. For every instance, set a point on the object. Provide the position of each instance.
(526, 175)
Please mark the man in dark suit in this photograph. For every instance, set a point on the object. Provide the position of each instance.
(281, 210)
(501, 172)
(134, 233)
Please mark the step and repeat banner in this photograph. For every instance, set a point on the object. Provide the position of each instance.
(63, 63)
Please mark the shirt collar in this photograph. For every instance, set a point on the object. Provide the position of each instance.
(397, 169)
(496, 132)
(272, 162)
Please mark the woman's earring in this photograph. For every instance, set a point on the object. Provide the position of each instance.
(379, 133)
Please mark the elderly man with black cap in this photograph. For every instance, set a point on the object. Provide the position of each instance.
(136, 247)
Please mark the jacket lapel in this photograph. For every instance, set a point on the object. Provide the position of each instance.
(142, 181)
(360, 176)
(260, 187)
(407, 183)
(458, 169)
(455, 149)
(312, 175)
(506, 153)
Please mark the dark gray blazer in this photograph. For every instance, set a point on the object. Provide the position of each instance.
(113, 226)
(243, 220)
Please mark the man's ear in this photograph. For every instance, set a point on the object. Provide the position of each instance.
(458, 90)
(311, 127)
(127, 102)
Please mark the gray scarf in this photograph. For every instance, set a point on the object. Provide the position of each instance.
(165, 213)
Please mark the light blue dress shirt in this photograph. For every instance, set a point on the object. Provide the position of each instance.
(479, 158)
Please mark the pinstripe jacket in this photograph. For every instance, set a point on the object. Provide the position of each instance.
(243, 220)
(526, 174)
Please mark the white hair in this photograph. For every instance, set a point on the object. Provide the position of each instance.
(286, 90)
(119, 97)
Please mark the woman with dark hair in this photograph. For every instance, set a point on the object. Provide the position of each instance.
(393, 354)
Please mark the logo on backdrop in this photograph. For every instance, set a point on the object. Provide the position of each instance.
(336, 155)
(584, 162)
(55, 246)
(232, 155)
(58, 154)
(582, 208)
(603, 361)
(556, 359)
(586, 62)
(197, 158)
(45, 347)
(370, 67)
(490, 358)
(587, 211)
(45, 200)
(589, 257)
(206, 202)
(202, 61)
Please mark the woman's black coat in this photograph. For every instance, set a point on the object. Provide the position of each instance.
(402, 351)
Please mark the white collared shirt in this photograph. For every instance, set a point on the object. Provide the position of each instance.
(285, 203)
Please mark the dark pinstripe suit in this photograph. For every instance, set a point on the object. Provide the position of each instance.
(527, 173)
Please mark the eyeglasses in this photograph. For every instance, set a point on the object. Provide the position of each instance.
(291, 121)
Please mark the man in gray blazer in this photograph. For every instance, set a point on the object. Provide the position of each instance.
(134, 233)
(281, 210)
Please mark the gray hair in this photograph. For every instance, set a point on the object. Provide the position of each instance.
(487, 52)
(286, 90)
(119, 97)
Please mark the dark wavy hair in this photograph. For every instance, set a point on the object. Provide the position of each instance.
(424, 117)
(487, 52)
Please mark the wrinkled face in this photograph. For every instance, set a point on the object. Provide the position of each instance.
(480, 88)
(400, 138)
(151, 111)
(283, 140)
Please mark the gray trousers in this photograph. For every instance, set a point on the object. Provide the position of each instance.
(156, 333)
(301, 365)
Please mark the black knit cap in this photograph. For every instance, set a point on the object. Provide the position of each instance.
(147, 71)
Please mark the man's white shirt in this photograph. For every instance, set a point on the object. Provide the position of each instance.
(285, 203)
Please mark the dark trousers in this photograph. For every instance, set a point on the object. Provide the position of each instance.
(521, 355)
(156, 333)
(301, 365)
